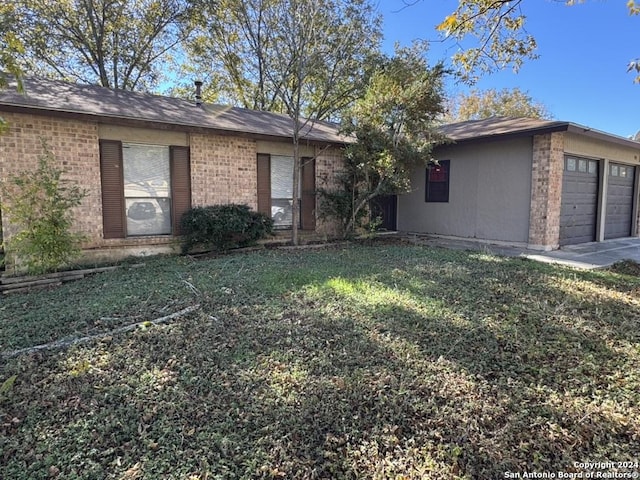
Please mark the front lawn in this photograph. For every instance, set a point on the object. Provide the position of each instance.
(378, 361)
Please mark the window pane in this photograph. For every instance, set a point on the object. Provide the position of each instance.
(148, 216)
(437, 188)
(593, 166)
(147, 189)
(614, 170)
(582, 165)
(281, 177)
(571, 164)
(282, 191)
(146, 171)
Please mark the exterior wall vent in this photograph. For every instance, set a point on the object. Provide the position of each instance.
(198, 85)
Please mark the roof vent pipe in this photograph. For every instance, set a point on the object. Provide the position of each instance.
(198, 84)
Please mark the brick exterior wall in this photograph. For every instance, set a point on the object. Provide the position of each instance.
(546, 191)
(75, 147)
(223, 170)
(329, 163)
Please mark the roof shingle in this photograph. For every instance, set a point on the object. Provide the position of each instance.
(494, 128)
(72, 98)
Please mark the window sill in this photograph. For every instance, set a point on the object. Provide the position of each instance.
(140, 240)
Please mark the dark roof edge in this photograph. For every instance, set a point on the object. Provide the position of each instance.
(600, 135)
(558, 126)
(529, 132)
(154, 124)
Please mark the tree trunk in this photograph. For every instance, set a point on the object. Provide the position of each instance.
(295, 210)
(362, 203)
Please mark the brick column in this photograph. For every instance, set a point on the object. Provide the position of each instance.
(329, 164)
(546, 191)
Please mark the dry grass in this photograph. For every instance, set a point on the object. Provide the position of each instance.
(375, 361)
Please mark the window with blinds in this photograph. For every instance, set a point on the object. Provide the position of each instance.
(145, 188)
(275, 190)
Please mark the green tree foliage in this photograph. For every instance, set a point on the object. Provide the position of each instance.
(123, 44)
(231, 50)
(10, 44)
(261, 54)
(10, 48)
(478, 104)
(300, 57)
(394, 124)
(500, 38)
(39, 204)
(319, 46)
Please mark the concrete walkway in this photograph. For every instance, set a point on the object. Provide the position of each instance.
(586, 255)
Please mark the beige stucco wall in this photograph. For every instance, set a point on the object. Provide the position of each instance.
(143, 135)
(593, 148)
(283, 148)
(488, 194)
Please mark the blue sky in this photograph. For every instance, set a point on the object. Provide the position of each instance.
(584, 51)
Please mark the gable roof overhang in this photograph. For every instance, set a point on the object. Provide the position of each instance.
(502, 128)
(119, 107)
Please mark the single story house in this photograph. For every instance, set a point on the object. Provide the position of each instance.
(145, 159)
(540, 184)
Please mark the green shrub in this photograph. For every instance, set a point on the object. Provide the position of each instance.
(39, 204)
(222, 227)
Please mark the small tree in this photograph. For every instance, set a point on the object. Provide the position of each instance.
(394, 124)
(301, 57)
(39, 204)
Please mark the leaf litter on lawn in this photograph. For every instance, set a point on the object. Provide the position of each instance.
(375, 361)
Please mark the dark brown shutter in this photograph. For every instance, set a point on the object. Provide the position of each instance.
(308, 194)
(264, 184)
(180, 185)
(112, 177)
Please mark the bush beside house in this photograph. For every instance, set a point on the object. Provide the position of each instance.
(222, 227)
(40, 204)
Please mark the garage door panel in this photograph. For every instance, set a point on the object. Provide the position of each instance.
(579, 206)
(578, 234)
(619, 209)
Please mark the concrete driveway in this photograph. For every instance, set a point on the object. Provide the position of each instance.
(592, 255)
(586, 255)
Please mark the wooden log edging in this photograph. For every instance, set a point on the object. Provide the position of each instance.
(90, 338)
(23, 284)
